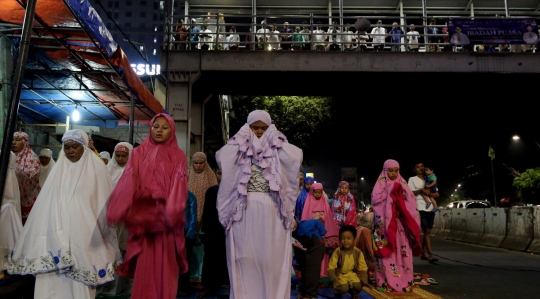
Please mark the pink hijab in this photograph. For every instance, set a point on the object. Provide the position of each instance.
(150, 199)
(320, 209)
(344, 207)
(279, 160)
(393, 201)
(155, 170)
(152, 192)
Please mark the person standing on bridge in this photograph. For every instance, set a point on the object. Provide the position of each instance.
(378, 34)
(412, 39)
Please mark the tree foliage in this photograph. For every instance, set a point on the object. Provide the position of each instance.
(455, 197)
(299, 118)
(528, 184)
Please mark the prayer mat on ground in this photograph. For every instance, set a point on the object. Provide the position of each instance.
(417, 293)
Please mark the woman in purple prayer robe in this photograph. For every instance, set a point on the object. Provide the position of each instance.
(256, 202)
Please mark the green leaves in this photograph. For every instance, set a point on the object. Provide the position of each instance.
(528, 184)
(299, 118)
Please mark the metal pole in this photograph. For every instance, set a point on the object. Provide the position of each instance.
(329, 12)
(11, 119)
(254, 25)
(506, 8)
(424, 22)
(341, 24)
(131, 117)
(493, 178)
(187, 19)
(403, 24)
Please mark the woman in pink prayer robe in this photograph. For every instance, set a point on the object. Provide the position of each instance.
(318, 208)
(149, 199)
(256, 201)
(396, 230)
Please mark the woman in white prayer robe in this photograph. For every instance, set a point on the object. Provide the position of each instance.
(10, 213)
(66, 242)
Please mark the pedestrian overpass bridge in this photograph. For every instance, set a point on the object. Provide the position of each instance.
(196, 77)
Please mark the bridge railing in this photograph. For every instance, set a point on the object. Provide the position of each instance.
(267, 32)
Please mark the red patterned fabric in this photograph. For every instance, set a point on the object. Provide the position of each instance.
(344, 207)
(27, 167)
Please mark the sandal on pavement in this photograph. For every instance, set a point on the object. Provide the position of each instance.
(431, 280)
(433, 260)
(417, 273)
(416, 277)
(422, 282)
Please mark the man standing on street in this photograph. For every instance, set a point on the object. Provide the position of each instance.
(427, 216)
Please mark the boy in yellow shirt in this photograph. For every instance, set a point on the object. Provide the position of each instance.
(347, 268)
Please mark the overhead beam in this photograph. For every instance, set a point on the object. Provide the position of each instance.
(72, 100)
(47, 100)
(36, 112)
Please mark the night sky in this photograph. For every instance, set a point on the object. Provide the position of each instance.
(453, 134)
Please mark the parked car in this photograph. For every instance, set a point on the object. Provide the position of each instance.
(469, 204)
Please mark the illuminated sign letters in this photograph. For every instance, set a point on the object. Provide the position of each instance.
(146, 69)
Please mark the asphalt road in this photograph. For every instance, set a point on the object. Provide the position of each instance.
(476, 271)
(463, 271)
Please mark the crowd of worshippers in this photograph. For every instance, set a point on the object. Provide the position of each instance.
(145, 222)
(379, 37)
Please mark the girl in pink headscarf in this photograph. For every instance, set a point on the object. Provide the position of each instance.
(149, 199)
(27, 168)
(317, 207)
(396, 230)
(343, 206)
(256, 201)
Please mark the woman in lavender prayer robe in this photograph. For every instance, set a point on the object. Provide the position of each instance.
(256, 202)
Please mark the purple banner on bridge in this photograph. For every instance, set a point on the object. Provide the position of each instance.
(465, 31)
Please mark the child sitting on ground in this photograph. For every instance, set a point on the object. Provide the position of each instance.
(431, 184)
(347, 267)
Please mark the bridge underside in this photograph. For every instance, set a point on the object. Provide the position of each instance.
(349, 74)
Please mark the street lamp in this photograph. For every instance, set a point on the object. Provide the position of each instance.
(516, 137)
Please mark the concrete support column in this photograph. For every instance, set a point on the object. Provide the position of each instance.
(179, 107)
(186, 111)
(196, 128)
